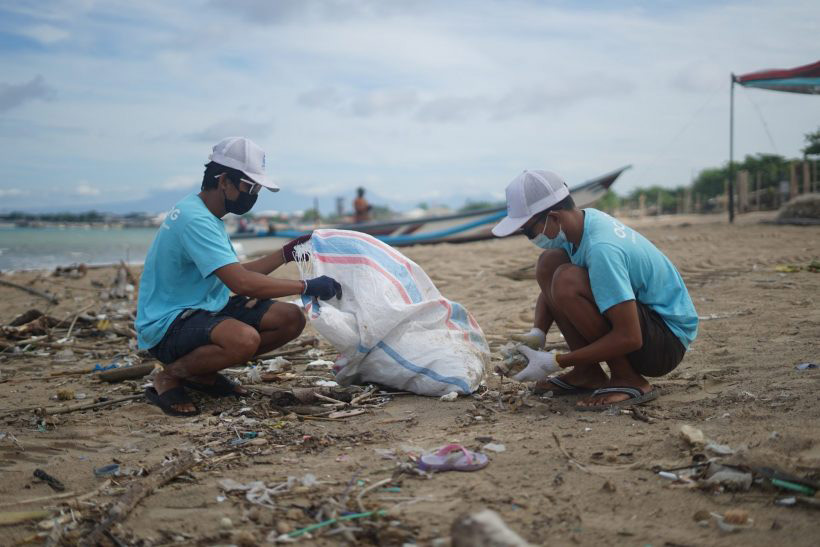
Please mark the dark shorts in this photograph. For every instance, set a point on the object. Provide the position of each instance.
(661, 352)
(192, 328)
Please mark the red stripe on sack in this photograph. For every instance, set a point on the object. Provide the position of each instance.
(369, 239)
(367, 262)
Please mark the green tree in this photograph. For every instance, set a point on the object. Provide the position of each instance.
(471, 205)
(813, 146)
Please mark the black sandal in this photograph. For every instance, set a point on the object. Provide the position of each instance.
(222, 387)
(166, 401)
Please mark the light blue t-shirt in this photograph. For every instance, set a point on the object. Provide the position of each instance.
(623, 265)
(178, 273)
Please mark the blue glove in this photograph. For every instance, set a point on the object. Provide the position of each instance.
(323, 287)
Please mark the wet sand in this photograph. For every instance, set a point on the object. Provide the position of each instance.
(738, 384)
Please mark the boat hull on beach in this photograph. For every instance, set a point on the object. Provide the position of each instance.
(456, 228)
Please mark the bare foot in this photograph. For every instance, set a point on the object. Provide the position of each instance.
(163, 382)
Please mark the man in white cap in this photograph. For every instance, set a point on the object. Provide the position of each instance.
(186, 317)
(614, 296)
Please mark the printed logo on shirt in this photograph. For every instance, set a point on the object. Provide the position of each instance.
(173, 214)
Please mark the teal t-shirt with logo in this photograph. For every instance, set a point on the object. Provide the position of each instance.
(191, 243)
(623, 265)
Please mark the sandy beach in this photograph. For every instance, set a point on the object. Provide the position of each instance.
(564, 478)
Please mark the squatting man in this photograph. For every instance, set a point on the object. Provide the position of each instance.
(186, 316)
(614, 296)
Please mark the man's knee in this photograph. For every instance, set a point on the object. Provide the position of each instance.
(244, 342)
(548, 262)
(568, 281)
(294, 320)
(284, 317)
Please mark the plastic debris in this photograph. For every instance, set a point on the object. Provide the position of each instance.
(495, 447)
(807, 366)
(719, 449)
(450, 397)
(319, 364)
(111, 470)
(733, 520)
(484, 529)
(728, 478)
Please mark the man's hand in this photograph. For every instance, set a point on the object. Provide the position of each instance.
(287, 250)
(541, 364)
(323, 287)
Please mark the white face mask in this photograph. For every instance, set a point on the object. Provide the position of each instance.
(541, 240)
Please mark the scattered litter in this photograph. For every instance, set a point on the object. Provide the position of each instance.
(326, 383)
(65, 395)
(111, 470)
(786, 502)
(450, 397)
(733, 520)
(807, 366)
(453, 457)
(719, 449)
(486, 529)
(53, 482)
(494, 447)
(277, 364)
(319, 364)
(727, 477)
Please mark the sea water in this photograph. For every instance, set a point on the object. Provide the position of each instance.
(46, 248)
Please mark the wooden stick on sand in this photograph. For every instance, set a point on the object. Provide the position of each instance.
(135, 493)
(29, 290)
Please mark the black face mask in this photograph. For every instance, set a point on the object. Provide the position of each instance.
(241, 204)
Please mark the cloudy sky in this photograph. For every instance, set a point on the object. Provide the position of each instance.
(418, 100)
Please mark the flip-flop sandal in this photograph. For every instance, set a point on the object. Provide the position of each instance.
(222, 387)
(636, 397)
(453, 457)
(168, 399)
(564, 388)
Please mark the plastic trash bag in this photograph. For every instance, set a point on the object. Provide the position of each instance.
(392, 325)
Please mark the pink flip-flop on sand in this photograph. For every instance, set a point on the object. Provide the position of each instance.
(453, 457)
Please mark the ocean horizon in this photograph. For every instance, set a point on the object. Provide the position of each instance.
(47, 248)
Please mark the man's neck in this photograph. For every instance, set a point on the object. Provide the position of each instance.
(214, 201)
(573, 226)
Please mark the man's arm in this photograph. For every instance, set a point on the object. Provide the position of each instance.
(254, 284)
(264, 265)
(625, 337)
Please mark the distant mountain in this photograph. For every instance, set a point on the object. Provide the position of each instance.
(283, 200)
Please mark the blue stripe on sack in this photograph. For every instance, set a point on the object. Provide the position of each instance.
(459, 315)
(344, 245)
(458, 382)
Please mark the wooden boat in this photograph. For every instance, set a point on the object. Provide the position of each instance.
(455, 228)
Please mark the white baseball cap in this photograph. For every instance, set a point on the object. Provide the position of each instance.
(527, 195)
(245, 155)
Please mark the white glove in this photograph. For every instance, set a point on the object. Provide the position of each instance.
(534, 339)
(541, 364)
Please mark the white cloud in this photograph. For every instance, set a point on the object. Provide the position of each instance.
(45, 34)
(180, 182)
(413, 98)
(86, 190)
(12, 192)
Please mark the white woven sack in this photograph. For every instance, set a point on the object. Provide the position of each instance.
(392, 326)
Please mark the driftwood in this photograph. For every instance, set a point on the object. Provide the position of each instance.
(29, 290)
(73, 408)
(135, 493)
(125, 373)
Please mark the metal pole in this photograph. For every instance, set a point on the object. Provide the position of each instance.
(732, 150)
